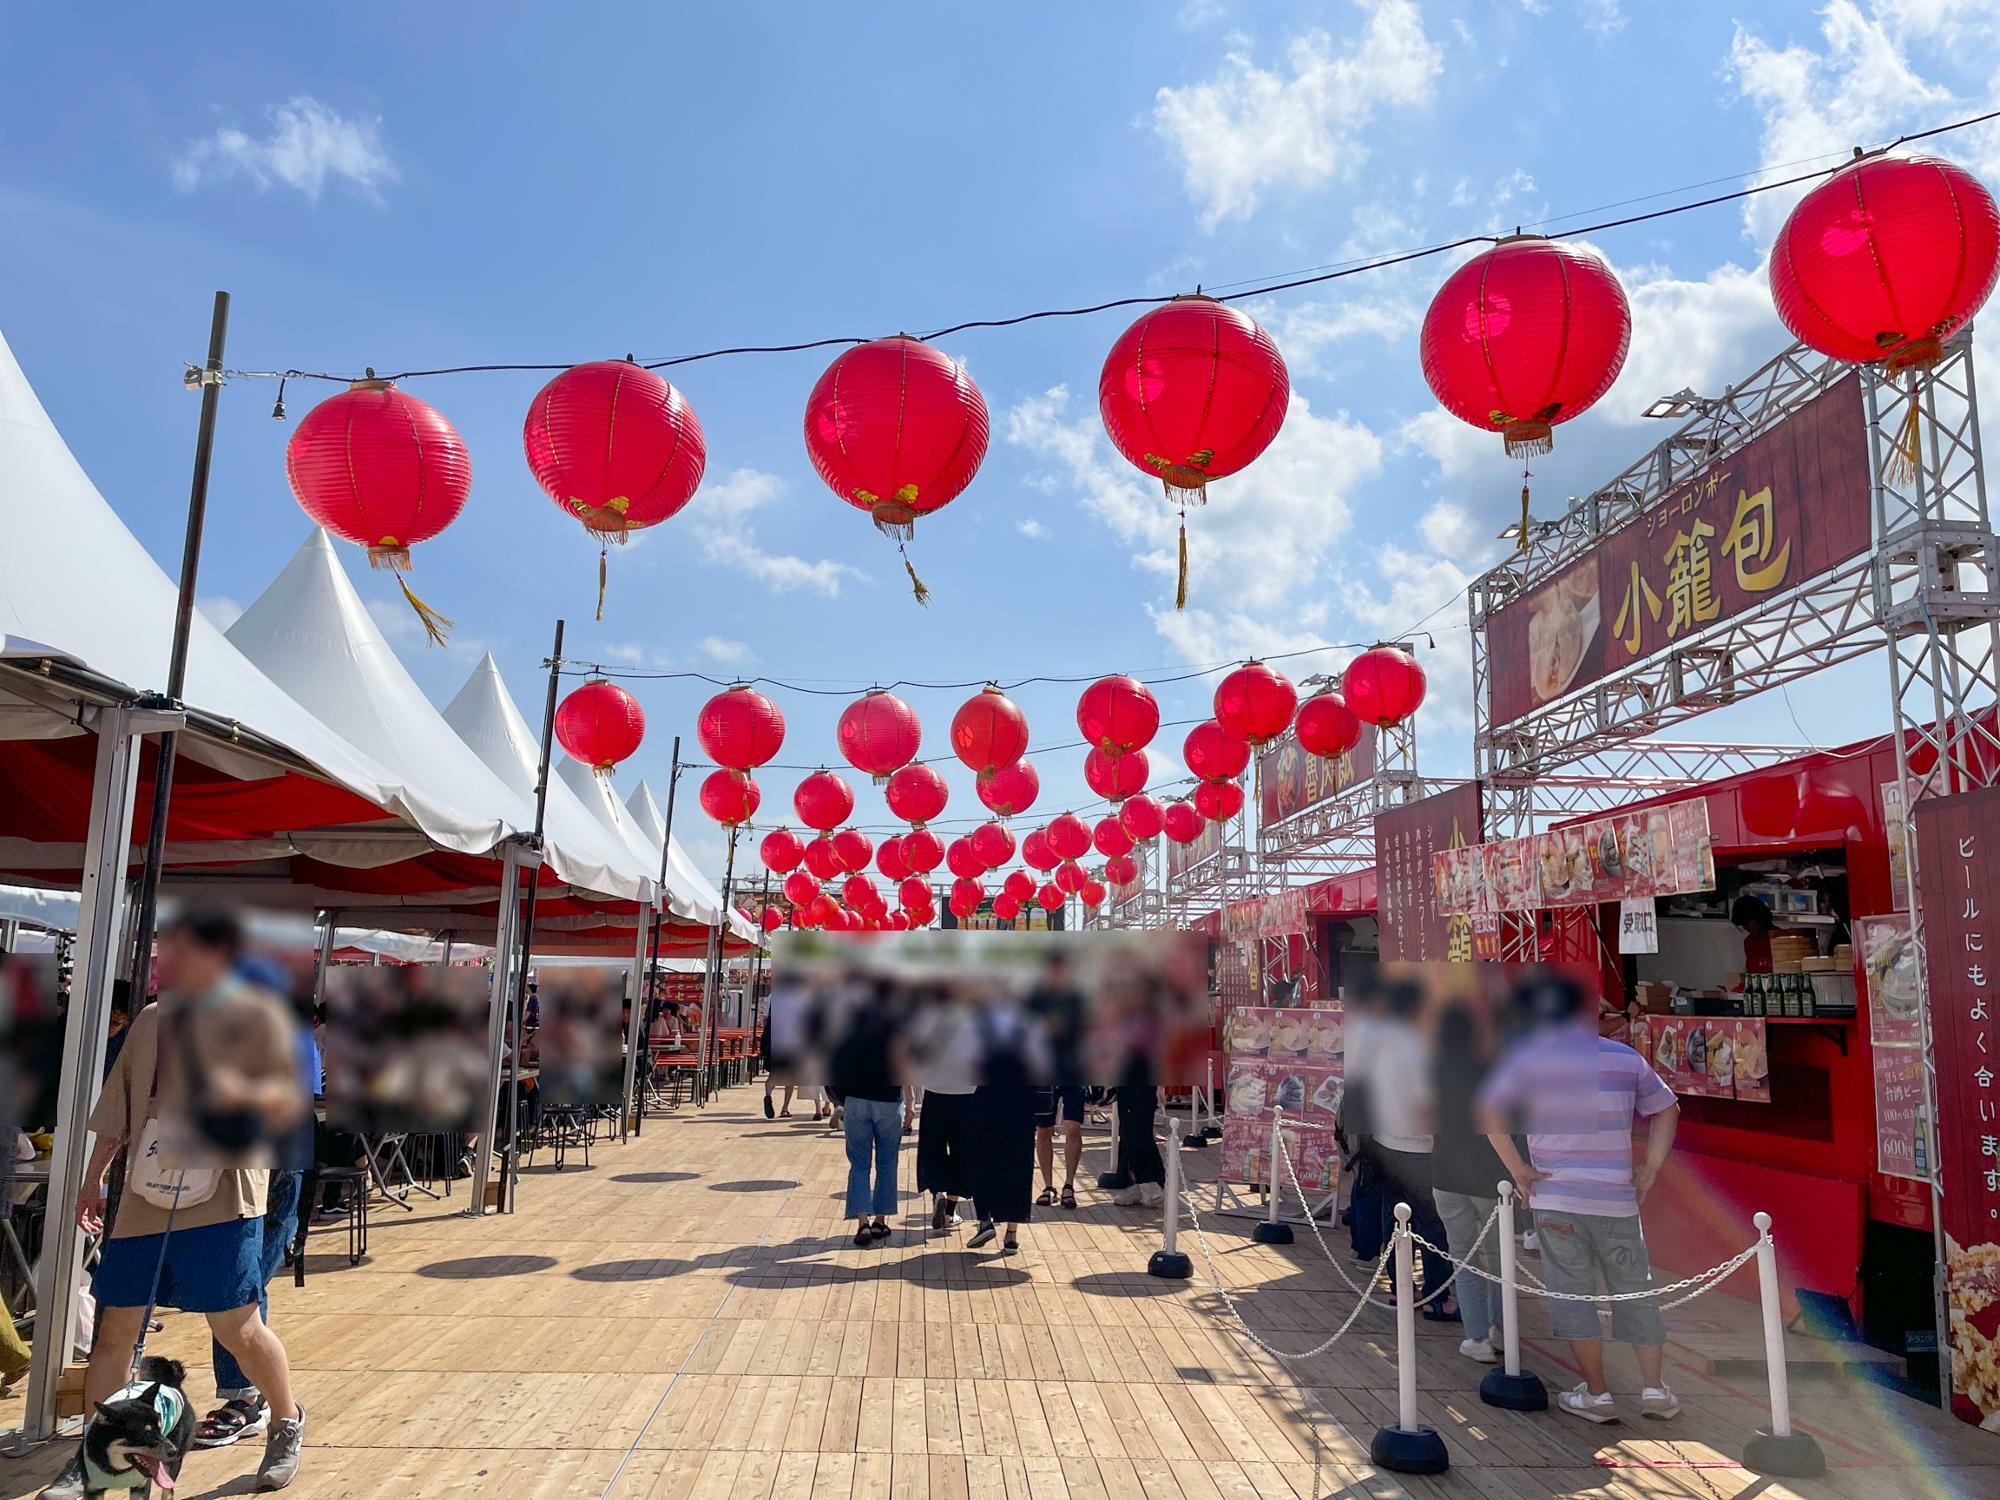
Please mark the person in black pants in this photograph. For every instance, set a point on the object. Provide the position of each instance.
(1003, 1122)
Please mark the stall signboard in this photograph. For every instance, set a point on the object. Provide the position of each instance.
(1289, 1058)
(1638, 925)
(1784, 508)
(1275, 916)
(1958, 884)
(1713, 1057)
(1183, 858)
(1896, 829)
(1407, 838)
(1661, 851)
(1895, 1044)
(1292, 781)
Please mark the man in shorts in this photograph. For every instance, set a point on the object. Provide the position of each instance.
(1577, 1094)
(206, 1074)
(1055, 1006)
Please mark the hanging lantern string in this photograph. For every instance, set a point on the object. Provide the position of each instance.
(1316, 278)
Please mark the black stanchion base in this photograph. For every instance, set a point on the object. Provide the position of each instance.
(1794, 1457)
(1267, 1233)
(1400, 1452)
(1522, 1392)
(1171, 1265)
(1211, 1132)
(1195, 1142)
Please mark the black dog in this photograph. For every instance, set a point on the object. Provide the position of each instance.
(144, 1430)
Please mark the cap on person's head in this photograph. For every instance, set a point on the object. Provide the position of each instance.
(1748, 911)
(210, 927)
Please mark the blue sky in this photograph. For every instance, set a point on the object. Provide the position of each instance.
(447, 184)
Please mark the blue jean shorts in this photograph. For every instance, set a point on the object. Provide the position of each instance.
(216, 1268)
(1579, 1250)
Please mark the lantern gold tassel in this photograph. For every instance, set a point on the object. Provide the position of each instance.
(1522, 539)
(1180, 589)
(602, 571)
(436, 626)
(1908, 452)
(923, 595)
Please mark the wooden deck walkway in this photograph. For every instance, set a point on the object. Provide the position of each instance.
(686, 1320)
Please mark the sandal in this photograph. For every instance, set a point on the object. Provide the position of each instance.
(879, 1230)
(231, 1422)
(1068, 1196)
(1047, 1199)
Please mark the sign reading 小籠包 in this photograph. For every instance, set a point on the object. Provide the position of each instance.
(1784, 508)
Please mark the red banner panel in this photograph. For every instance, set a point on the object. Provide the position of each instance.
(1290, 780)
(1782, 509)
(1407, 838)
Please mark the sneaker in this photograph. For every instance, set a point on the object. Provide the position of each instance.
(1479, 1351)
(1531, 1242)
(68, 1485)
(1127, 1197)
(1660, 1402)
(940, 1214)
(1579, 1402)
(1151, 1195)
(769, 1113)
(232, 1422)
(282, 1450)
(987, 1229)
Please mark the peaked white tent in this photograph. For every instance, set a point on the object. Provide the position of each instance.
(646, 816)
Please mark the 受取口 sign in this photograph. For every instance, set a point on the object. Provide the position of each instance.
(1781, 510)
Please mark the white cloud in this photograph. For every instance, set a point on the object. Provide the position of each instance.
(220, 610)
(726, 652)
(308, 143)
(1032, 529)
(1250, 128)
(1449, 530)
(718, 517)
(1196, 14)
(1602, 18)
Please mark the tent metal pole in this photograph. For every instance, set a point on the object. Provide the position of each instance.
(99, 961)
(635, 1026)
(209, 378)
(712, 1012)
(497, 1010)
(527, 942)
(663, 907)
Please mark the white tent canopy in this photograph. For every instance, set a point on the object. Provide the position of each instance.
(681, 872)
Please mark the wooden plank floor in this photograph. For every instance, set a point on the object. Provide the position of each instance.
(686, 1320)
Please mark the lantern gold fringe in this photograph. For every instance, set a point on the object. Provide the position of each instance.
(917, 587)
(436, 627)
(1521, 541)
(1528, 439)
(1906, 456)
(388, 553)
(1180, 588)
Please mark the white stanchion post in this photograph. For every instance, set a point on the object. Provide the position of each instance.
(1777, 1449)
(1272, 1230)
(1507, 1387)
(1196, 1137)
(1168, 1261)
(1110, 1180)
(1408, 1447)
(1213, 1129)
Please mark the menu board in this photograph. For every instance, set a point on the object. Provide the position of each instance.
(1896, 1044)
(1290, 1059)
(1662, 851)
(1709, 1057)
(1414, 926)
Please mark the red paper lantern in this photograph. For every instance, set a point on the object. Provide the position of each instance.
(378, 467)
(1068, 836)
(771, 919)
(800, 888)
(729, 797)
(1141, 818)
(969, 890)
(1886, 259)
(1110, 837)
(1117, 715)
(914, 894)
(916, 794)
(1006, 908)
(898, 429)
(1218, 801)
(1011, 790)
(1121, 869)
(600, 724)
(993, 844)
(1182, 822)
(898, 921)
(879, 734)
(740, 728)
(1020, 885)
(1092, 895)
(922, 851)
(781, 851)
(962, 907)
(854, 849)
(823, 859)
(1117, 775)
(1050, 897)
(1255, 704)
(1383, 686)
(823, 801)
(1069, 877)
(860, 892)
(889, 858)
(1192, 391)
(826, 913)
(988, 732)
(1035, 850)
(1213, 753)
(1326, 726)
(962, 860)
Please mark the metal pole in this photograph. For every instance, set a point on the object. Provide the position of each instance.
(1272, 1231)
(526, 946)
(210, 379)
(663, 909)
(498, 1008)
(711, 1012)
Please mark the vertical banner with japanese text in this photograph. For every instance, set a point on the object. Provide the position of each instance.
(1957, 841)
(1406, 838)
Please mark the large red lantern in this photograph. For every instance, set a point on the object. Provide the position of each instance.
(1524, 337)
(993, 844)
(855, 849)
(922, 852)
(771, 919)
(615, 446)
(1255, 704)
(988, 732)
(1326, 726)
(1035, 851)
(1068, 836)
(1140, 817)
(1117, 775)
(1182, 822)
(916, 794)
(781, 851)
(1192, 391)
(914, 894)
(600, 724)
(1010, 791)
(889, 858)
(969, 890)
(1213, 753)
(860, 893)
(1020, 885)
(1218, 801)
(1007, 908)
(800, 888)
(898, 429)
(740, 728)
(1117, 715)
(879, 734)
(1050, 897)
(378, 467)
(826, 913)
(1110, 837)
(1383, 686)
(823, 801)
(1069, 877)
(962, 860)
(1121, 869)
(823, 859)
(730, 797)
(1092, 895)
